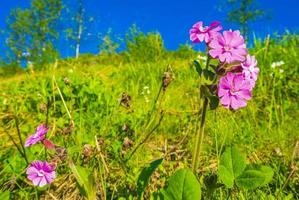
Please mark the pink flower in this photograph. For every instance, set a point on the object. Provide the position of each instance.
(228, 47)
(39, 135)
(199, 33)
(234, 91)
(40, 173)
(250, 69)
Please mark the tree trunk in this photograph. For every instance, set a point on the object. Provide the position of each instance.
(80, 28)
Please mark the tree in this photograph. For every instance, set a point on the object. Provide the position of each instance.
(19, 36)
(77, 24)
(31, 32)
(242, 12)
(108, 45)
(79, 19)
(142, 47)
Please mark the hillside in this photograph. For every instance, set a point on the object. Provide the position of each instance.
(100, 107)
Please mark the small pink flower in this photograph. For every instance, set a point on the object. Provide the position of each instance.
(234, 91)
(200, 33)
(40, 173)
(228, 47)
(250, 69)
(38, 136)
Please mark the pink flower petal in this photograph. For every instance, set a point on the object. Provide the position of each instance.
(36, 181)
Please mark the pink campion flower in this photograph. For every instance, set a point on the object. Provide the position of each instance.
(234, 91)
(38, 136)
(250, 69)
(40, 173)
(200, 33)
(229, 47)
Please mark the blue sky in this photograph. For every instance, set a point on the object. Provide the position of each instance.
(172, 18)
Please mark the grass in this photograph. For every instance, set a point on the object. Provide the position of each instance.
(85, 117)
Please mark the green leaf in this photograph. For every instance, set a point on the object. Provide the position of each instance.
(213, 102)
(205, 91)
(183, 185)
(232, 164)
(208, 76)
(5, 195)
(85, 180)
(255, 176)
(268, 174)
(197, 67)
(145, 175)
(250, 179)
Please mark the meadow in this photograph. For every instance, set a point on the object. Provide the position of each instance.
(115, 113)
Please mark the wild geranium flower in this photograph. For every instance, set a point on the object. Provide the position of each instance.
(200, 33)
(40, 173)
(250, 69)
(229, 47)
(234, 91)
(38, 136)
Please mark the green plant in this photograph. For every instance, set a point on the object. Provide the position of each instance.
(144, 47)
(86, 181)
(233, 171)
(182, 185)
(144, 176)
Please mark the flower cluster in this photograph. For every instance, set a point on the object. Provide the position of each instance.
(240, 68)
(40, 172)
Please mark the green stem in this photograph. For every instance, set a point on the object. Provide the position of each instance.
(199, 137)
(16, 145)
(146, 137)
(20, 139)
(200, 131)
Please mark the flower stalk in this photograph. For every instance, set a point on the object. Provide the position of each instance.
(200, 131)
(199, 137)
(20, 139)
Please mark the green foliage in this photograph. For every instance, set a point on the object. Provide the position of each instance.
(207, 84)
(108, 46)
(145, 175)
(185, 51)
(232, 164)
(5, 195)
(92, 86)
(243, 12)
(197, 67)
(144, 47)
(253, 178)
(86, 181)
(232, 170)
(182, 185)
(9, 70)
(32, 31)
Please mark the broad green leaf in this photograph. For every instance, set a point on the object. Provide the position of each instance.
(232, 164)
(268, 173)
(5, 195)
(265, 170)
(145, 175)
(85, 180)
(250, 179)
(183, 185)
